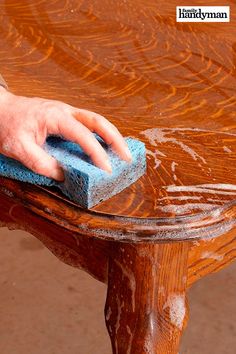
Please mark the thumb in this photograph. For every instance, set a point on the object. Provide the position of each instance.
(37, 160)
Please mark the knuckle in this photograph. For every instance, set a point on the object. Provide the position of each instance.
(96, 119)
(50, 108)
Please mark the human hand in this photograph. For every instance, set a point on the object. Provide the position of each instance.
(26, 122)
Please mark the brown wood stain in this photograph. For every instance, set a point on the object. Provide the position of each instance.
(170, 85)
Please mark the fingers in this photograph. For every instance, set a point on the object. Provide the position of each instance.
(37, 160)
(75, 131)
(104, 128)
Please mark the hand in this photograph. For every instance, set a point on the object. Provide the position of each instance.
(26, 122)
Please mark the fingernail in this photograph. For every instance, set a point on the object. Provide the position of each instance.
(58, 174)
(108, 167)
(128, 154)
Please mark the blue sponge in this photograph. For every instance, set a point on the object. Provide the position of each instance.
(84, 183)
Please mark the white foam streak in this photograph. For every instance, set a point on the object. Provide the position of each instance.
(224, 189)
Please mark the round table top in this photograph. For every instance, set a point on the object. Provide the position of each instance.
(171, 85)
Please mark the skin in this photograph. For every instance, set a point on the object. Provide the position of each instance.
(26, 122)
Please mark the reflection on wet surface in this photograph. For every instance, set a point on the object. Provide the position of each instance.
(130, 62)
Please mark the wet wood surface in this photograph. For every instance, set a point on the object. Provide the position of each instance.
(147, 307)
(170, 85)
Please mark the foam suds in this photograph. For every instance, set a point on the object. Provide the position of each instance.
(128, 330)
(154, 155)
(119, 311)
(173, 166)
(108, 314)
(182, 197)
(132, 283)
(220, 186)
(180, 209)
(212, 255)
(7, 192)
(160, 153)
(224, 189)
(226, 149)
(177, 310)
(158, 135)
(148, 345)
(195, 130)
(130, 339)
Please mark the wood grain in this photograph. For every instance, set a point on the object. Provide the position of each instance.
(170, 85)
(85, 253)
(122, 229)
(146, 308)
(208, 256)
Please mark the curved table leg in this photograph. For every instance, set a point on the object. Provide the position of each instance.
(146, 308)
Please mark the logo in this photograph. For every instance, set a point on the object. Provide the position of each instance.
(202, 13)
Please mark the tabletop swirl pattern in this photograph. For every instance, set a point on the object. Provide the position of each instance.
(169, 85)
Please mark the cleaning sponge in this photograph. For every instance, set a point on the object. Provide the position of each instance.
(84, 183)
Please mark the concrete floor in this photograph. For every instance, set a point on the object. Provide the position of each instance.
(48, 307)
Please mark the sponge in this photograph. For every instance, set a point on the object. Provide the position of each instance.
(84, 183)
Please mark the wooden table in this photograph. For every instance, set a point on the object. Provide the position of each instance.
(172, 86)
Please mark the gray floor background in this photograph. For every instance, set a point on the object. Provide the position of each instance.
(48, 307)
